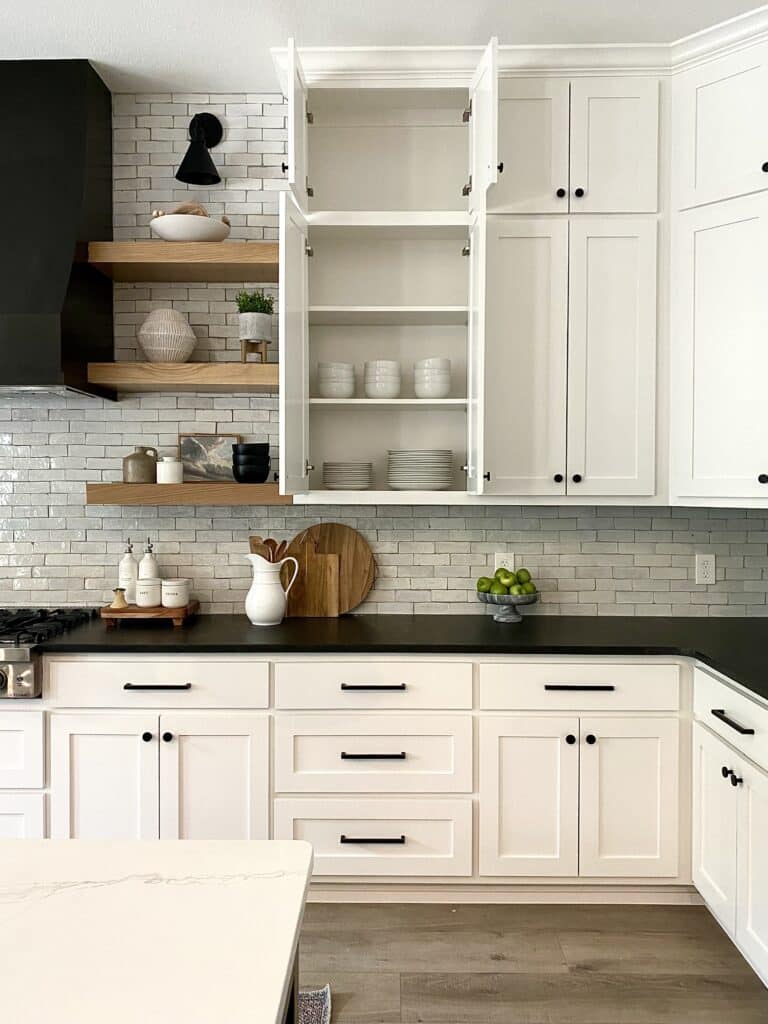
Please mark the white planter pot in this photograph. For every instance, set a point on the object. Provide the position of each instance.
(255, 327)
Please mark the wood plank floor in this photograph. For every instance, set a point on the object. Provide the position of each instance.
(527, 965)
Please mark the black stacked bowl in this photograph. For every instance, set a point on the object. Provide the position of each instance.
(251, 462)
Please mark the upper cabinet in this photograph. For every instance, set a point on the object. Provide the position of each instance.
(589, 145)
(719, 137)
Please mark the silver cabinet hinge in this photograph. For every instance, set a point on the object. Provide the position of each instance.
(310, 117)
(466, 250)
(308, 250)
(310, 190)
(468, 187)
(308, 467)
(467, 113)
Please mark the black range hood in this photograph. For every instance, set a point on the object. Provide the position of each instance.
(56, 196)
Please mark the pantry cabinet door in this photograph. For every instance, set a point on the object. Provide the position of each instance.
(529, 796)
(476, 355)
(614, 145)
(720, 355)
(612, 357)
(719, 146)
(629, 797)
(214, 776)
(526, 332)
(533, 147)
(298, 128)
(752, 867)
(715, 807)
(293, 319)
(104, 775)
(484, 126)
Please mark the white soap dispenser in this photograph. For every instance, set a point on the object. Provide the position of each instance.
(148, 568)
(127, 573)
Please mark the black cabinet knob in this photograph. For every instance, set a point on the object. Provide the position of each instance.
(500, 167)
(765, 166)
(570, 739)
(725, 772)
(735, 780)
(146, 736)
(763, 478)
(167, 737)
(576, 478)
(591, 739)
(558, 478)
(487, 476)
(578, 192)
(560, 193)
(284, 167)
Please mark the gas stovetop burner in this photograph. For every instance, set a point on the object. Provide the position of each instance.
(29, 626)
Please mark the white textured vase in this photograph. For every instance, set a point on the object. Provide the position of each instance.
(266, 601)
(255, 327)
(166, 337)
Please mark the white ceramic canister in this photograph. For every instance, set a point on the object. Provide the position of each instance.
(148, 593)
(170, 470)
(175, 593)
(266, 600)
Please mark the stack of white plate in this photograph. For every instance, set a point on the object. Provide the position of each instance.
(347, 476)
(432, 377)
(336, 380)
(382, 378)
(428, 470)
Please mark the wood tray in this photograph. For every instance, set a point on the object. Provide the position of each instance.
(177, 616)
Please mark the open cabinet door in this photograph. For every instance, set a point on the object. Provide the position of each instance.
(293, 317)
(484, 126)
(476, 357)
(297, 128)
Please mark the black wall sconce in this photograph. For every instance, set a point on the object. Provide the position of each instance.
(197, 168)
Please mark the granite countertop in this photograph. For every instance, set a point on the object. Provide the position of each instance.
(736, 647)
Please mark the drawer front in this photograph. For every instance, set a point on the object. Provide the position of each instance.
(734, 712)
(373, 753)
(551, 686)
(385, 837)
(178, 682)
(21, 749)
(22, 816)
(359, 686)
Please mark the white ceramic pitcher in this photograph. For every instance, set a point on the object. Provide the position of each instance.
(266, 600)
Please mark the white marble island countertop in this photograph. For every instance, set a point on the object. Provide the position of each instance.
(178, 932)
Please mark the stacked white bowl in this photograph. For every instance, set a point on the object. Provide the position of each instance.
(382, 378)
(432, 377)
(347, 476)
(336, 380)
(425, 470)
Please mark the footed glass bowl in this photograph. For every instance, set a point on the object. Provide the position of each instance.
(508, 605)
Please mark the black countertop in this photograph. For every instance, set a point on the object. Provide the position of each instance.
(736, 647)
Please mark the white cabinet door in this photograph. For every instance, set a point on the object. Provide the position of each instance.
(484, 126)
(720, 355)
(529, 796)
(752, 867)
(293, 318)
(612, 357)
(614, 145)
(719, 145)
(298, 142)
(629, 797)
(476, 355)
(533, 147)
(104, 775)
(714, 826)
(22, 816)
(214, 776)
(526, 329)
(21, 749)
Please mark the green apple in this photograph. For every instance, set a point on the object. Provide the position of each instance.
(523, 576)
(498, 588)
(484, 584)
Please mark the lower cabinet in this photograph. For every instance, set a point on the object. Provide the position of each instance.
(22, 816)
(140, 775)
(591, 796)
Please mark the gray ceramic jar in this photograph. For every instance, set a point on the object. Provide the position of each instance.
(140, 467)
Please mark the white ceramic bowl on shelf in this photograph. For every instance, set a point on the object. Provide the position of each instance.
(382, 388)
(336, 369)
(336, 388)
(382, 366)
(432, 387)
(186, 227)
(433, 363)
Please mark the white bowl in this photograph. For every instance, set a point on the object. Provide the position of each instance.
(431, 375)
(335, 375)
(433, 388)
(341, 367)
(386, 365)
(186, 227)
(383, 376)
(336, 388)
(382, 389)
(433, 363)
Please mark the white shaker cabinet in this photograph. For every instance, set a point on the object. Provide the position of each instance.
(719, 141)
(752, 866)
(720, 357)
(22, 816)
(293, 318)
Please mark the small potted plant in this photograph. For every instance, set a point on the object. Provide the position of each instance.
(255, 310)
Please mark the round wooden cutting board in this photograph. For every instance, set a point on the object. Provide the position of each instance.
(336, 570)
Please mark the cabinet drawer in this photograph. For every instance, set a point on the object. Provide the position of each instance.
(373, 753)
(383, 837)
(22, 816)
(594, 686)
(360, 685)
(734, 711)
(21, 749)
(178, 682)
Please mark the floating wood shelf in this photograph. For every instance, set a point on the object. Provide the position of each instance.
(186, 261)
(185, 494)
(185, 377)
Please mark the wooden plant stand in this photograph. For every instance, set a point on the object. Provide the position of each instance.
(178, 616)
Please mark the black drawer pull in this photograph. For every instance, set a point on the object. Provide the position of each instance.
(158, 686)
(580, 687)
(372, 757)
(389, 840)
(740, 729)
(373, 686)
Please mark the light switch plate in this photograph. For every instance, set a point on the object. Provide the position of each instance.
(705, 569)
(504, 560)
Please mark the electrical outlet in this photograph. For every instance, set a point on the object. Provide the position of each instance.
(705, 568)
(504, 560)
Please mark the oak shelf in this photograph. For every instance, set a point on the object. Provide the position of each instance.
(185, 377)
(186, 261)
(185, 494)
